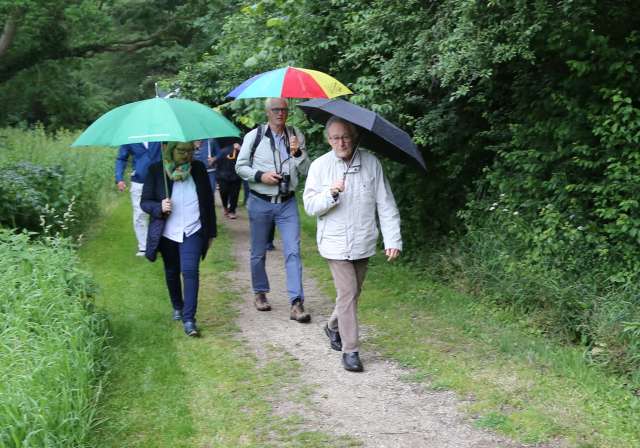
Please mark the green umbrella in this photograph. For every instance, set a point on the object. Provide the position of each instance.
(157, 120)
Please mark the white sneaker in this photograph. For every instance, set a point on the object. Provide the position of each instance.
(140, 253)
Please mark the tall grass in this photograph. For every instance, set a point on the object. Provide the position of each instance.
(570, 296)
(51, 345)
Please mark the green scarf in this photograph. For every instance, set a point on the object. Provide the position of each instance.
(175, 172)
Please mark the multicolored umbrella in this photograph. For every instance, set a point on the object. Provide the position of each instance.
(155, 120)
(290, 82)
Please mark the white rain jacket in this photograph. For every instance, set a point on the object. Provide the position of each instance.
(347, 228)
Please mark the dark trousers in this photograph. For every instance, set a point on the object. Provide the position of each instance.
(212, 182)
(183, 258)
(229, 192)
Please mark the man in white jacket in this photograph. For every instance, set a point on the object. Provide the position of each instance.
(344, 190)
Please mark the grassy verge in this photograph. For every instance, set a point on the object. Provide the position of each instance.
(515, 381)
(51, 348)
(167, 390)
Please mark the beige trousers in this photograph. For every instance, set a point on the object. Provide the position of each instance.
(348, 277)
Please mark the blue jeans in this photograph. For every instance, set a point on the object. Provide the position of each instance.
(261, 216)
(183, 258)
(212, 181)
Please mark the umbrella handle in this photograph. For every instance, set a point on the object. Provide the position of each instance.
(353, 156)
(164, 177)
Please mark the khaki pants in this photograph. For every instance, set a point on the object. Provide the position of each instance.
(348, 277)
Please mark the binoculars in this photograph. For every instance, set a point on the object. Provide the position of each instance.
(283, 185)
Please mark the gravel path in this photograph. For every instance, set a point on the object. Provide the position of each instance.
(376, 407)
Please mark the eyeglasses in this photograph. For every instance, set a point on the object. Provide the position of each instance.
(278, 110)
(344, 138)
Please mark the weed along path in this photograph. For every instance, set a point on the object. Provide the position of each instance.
(376, 408)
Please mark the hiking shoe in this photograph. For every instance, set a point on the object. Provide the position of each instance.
(190, 328)
(298, 313)
(334, 338)
(231, 215)
(261, 302)
(177, 315)
(351, 362)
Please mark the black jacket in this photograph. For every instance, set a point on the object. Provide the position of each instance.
(153, 193)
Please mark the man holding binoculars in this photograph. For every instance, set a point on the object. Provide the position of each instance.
(271, 159)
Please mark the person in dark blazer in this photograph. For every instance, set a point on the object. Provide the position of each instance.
(178, 197)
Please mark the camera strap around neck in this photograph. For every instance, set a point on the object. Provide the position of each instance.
(274, 150)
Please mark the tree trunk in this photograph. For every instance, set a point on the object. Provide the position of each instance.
(9, 32)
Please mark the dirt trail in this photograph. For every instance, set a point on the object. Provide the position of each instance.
(376, 407)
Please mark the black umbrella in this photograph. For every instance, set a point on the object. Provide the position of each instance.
(376, 133)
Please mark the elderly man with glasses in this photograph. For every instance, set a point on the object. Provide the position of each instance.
(344, 190)
(271, 158)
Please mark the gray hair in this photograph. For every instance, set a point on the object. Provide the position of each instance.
(268, 101)
(333, 120)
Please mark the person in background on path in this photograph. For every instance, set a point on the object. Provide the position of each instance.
(228, 180)
(143, 155)
(272, 164)
(208, 152)
(182, 227)
(344, 190)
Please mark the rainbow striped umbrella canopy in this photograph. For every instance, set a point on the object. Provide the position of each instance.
(290, 82)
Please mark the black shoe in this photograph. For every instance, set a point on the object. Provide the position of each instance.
(177, 314)
(270, 246)
(351, 362)
(334, 338)
(190, 328)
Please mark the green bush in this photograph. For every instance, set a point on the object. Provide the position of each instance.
(52, 344)
(571, 296)
(46, 186)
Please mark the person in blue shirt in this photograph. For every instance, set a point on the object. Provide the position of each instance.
(208, 152)
(142, 155)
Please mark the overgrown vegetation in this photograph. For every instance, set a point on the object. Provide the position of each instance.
(51, 356)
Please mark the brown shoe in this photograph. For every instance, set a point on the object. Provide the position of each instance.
(261, 302)
(298, 313)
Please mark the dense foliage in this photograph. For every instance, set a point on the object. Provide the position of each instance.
(68, 61)
(52, 345)
(526, 114)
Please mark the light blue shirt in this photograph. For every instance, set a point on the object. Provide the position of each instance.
(185, 211)
(281, 146)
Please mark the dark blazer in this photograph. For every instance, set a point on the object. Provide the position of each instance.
(153, 193)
